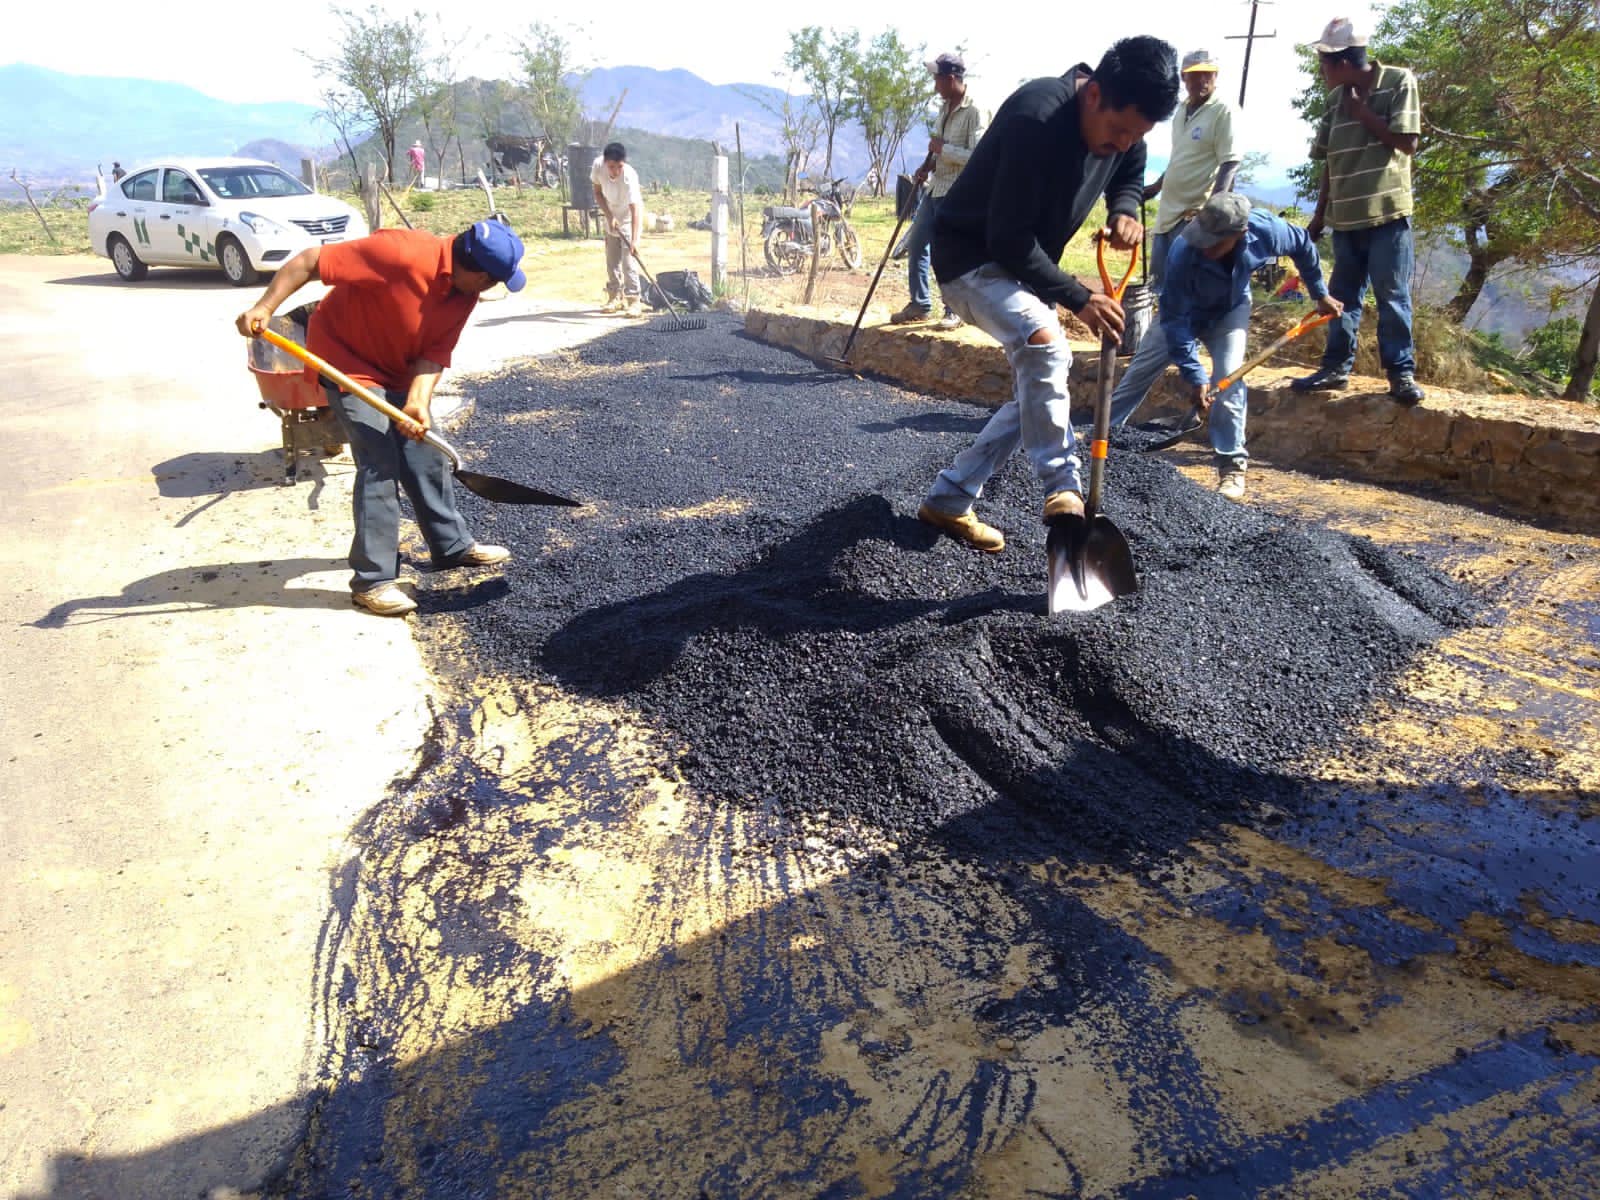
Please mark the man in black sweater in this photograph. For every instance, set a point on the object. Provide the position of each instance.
(1053, 149)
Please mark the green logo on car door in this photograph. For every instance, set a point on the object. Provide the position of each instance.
(140, 232)
(194, 243)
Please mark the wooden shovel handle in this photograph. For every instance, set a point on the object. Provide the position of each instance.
(360, 392)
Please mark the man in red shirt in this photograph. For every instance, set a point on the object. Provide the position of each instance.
(400, 299)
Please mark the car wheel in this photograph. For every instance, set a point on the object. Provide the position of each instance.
(128, 264)
(235, 262)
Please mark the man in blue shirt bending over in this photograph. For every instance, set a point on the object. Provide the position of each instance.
(1206, 298)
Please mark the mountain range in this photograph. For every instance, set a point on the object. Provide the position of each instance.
(55, 127)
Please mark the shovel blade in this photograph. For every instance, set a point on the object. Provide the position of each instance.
(1090, 565)
(1193, 423)
(503, 491)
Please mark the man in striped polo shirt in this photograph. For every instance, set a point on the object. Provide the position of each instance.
(1366, 142)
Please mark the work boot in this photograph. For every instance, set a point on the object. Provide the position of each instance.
(387, 600)
(634, 309)
(613, 304)
(950, 321)
(965, 528)
(1231, 486)
(479, 554)
(1325, 379)
(1062, 504)
(1403, 387)
(911, 314)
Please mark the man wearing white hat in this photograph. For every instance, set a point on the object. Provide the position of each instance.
(1203, 160)
(1366, 141)
(960, 125)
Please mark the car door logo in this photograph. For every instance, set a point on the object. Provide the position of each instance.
(140, 232)
(193, 242)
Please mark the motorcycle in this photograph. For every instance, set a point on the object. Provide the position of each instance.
(787, 232)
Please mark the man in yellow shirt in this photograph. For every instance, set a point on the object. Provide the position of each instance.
(1203, 160)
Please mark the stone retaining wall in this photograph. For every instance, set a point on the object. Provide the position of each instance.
(1532, 457)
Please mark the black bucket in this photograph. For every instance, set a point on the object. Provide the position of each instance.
(580, 162)
(1138, 314)
(906, 195)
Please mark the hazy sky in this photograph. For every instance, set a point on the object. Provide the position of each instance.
(260, 56)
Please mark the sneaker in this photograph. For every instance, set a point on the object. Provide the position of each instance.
(479, 554)
(1062, 504)
(613, 304)
(911, 314)
(1324, 380)
(634, 309)
(950, 321)
(965, 528)
(387, 600)
(1403, 387)
(1231, 486)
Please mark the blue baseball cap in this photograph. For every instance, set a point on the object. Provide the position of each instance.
(492, 248)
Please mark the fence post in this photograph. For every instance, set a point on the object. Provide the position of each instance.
(370, 198)
(719, 223)
(816, 252)
(308, 173)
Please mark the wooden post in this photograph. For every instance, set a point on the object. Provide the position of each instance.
(308, 173)
(744, 264)
(29, 194)
(816, 254)
(719, 223)
(370, 197)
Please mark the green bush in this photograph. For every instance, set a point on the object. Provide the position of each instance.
(1552, 346)
(423, 201)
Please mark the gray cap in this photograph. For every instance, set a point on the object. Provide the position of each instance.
(1224, 215)
(1198, 60)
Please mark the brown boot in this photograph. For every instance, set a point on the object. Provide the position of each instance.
(965, 528)
(1062, 504)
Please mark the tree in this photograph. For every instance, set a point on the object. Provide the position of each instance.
(1252, 162)
(375, 74)
(828, 66)
(551, 81)
(799, 127)
(438, 102)
(892, 89)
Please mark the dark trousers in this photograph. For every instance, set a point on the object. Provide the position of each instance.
(386, 461)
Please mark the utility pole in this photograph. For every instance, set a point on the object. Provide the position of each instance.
(1249, 40)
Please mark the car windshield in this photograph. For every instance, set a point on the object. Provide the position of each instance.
(252, 183)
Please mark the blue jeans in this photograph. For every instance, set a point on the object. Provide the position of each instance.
(1225, 340)
(1160, 247)
(919, 249)
(1037, 416)
(1383, 256)
(386, 461)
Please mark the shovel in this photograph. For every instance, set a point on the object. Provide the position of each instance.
(1194, 421)
(903, 209)
(1089, 559)
(489, 487)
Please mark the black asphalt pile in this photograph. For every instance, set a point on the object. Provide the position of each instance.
(755, 582)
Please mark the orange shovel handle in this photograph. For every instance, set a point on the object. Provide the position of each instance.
(1114, 290)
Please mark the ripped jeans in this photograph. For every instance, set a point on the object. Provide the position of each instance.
(1037, 415)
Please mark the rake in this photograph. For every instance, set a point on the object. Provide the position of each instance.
(679, 322)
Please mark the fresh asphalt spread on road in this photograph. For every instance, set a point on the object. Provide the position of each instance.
(753, 583)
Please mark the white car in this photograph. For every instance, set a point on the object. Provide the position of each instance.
(238, 214)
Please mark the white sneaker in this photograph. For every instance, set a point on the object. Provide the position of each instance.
(1231, 486)
(634, 309)
(387, 600)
